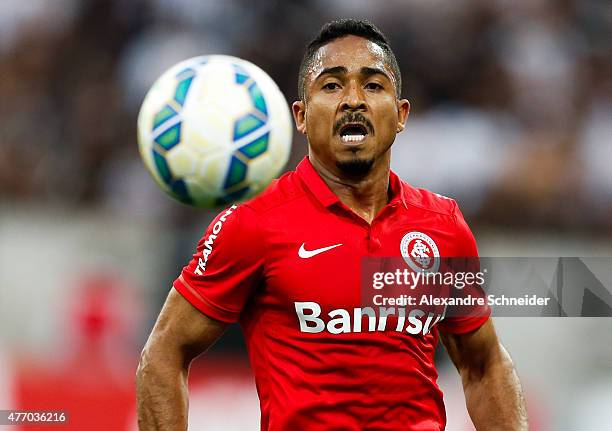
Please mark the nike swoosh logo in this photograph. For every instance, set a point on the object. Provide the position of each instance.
(305, 254)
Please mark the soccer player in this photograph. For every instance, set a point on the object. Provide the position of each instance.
(286, 265)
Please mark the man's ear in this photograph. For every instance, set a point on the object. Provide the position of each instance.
(403, 109)
(299, 115)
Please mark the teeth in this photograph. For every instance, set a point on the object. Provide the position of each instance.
(352, 138)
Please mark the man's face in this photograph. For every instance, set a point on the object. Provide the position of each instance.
(350, 113)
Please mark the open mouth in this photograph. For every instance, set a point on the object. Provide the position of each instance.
(353, 133)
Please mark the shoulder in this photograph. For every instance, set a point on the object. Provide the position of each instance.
(426, 200)
(449, 215)
(282, 191)
(246, 223)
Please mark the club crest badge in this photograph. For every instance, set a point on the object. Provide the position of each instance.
(420, 252)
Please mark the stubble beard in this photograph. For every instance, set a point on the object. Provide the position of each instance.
(355, 168)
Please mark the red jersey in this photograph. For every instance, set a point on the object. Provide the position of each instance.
(286, 265)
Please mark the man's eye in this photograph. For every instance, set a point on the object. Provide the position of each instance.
(373, 86)
(331, 86)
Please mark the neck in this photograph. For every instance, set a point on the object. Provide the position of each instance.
(367, 195)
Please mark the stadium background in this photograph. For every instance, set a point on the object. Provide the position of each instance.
(511, 115)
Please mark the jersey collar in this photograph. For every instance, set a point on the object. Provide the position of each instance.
(313, 182)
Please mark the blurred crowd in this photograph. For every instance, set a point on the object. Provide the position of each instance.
(511, 100)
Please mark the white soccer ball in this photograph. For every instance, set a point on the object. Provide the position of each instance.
(213, 130)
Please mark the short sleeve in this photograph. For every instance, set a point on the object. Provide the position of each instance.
(465, 319)
(226, 267)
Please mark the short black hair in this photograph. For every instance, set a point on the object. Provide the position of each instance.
(344, 27)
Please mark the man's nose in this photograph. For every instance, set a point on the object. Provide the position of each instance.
(354, 99)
